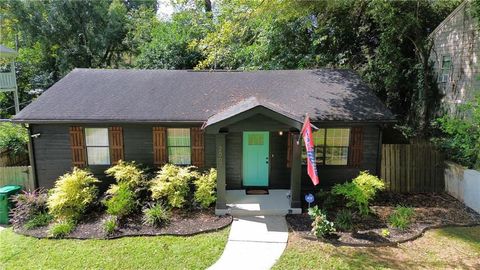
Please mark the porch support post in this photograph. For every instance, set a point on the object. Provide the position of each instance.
(221, 171)
(296, 173)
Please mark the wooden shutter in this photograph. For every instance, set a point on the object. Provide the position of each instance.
(159, 146)
(198, 150)
(115, 139)
(77, 144)
(289, 149)
(356, 146)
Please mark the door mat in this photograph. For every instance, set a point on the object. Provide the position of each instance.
(256, 191)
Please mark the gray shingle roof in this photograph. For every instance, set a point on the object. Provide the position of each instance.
(91, 95)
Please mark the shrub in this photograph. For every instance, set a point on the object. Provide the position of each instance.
(121, 201)
(360, 191)
(28, 204)
(385, 233)
(343, 220)
(110, 225)
(172, 184)
(128, 173)
(205, 189)
(156, 215)
(38, 220)
(13, 138)
(401, 217)
(320, 225)
(62, 228)
(73, 193)
(461, 135)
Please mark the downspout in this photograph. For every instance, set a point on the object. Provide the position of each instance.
(379, 150)
(31, 155)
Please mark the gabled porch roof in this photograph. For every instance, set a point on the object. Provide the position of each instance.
(248, 108)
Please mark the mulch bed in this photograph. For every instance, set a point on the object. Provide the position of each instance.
(181, 224)
(431, 211)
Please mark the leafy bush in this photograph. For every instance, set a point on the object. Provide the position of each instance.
(360, 191)
(121, 200)
(156, 215)
(385, 233)
(461, 135)
(110, 225)
(13, 138)
(343, 220)
(401, 217)
(320, 225)
(38, 220)
(73, 193)
(127, 172)
(172, 184)
(28, 204)
(205, 189)
(61, 228)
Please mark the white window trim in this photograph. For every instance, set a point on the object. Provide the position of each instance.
(90, 147)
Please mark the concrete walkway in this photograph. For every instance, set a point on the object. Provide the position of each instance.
(254, 243)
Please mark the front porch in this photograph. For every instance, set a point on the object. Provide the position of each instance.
(276, 203)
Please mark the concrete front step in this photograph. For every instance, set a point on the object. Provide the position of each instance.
(248, 212)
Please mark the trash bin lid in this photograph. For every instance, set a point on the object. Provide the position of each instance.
(9, 188)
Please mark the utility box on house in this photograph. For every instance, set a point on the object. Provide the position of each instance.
(5, 203)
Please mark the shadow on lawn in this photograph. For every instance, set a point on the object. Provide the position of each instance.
(375, 258)
(470, 235)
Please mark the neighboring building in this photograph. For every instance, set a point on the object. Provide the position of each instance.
(245, 124)
(456, 57)
(8, 79)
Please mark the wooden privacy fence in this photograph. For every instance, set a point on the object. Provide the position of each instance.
(6, 159)
(18, 175)
(415, 167)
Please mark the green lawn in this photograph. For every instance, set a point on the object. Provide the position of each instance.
(449, 248)
(160, 252)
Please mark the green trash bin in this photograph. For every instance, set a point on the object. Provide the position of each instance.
(5, 202)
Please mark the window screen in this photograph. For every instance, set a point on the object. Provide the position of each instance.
(331, 146)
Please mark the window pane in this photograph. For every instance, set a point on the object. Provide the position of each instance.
(178, 140)
(96, 136)
(336, 156)
(255, 139)
(338, 136)
(179, 155)
(178, 137)
(98, 155)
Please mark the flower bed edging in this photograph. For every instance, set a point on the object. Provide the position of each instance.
(388, 244)
(214, 229)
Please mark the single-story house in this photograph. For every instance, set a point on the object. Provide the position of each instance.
(244, 124)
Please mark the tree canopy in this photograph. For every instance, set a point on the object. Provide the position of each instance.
(385, 41)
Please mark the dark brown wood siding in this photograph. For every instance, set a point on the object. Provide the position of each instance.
(115, 139)
(330, 175)
(198, 147)
(77, 144)
(159, 146)
(356, 147)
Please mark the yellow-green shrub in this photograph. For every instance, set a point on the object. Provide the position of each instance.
(360, 191)
(172, 184)
(205, 188)
(127, 172)
(72, 194)
(121, 200)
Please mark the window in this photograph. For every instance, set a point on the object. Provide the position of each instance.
(98, 151)
(445, 69)
(331, 146)
(178, 143)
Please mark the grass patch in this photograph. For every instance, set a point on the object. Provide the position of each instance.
(166, 252)
(448, 248)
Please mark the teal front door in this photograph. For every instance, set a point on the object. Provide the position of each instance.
(255, 158)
